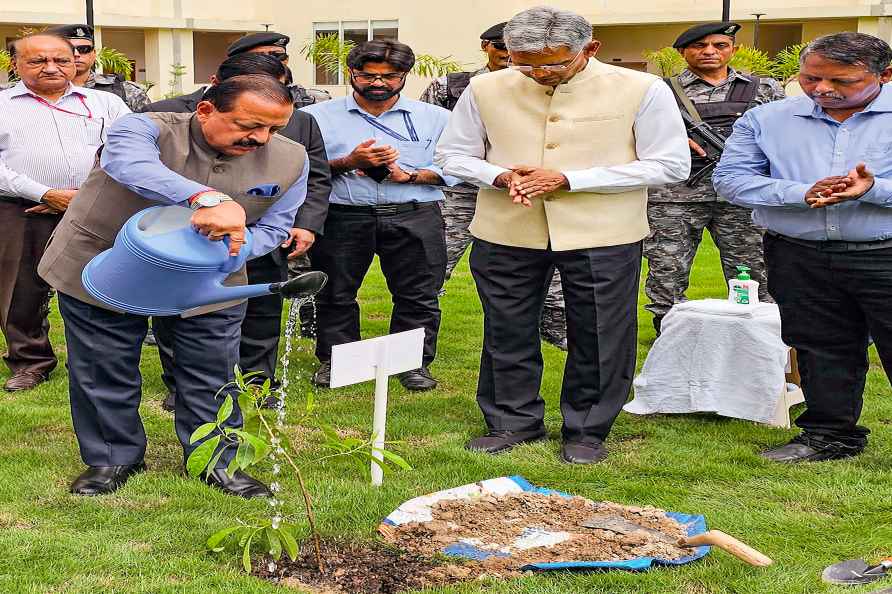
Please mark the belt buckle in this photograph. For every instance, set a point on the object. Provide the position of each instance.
(386, 209)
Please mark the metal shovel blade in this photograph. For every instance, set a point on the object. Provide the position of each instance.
(620, 525)
(853, 572)
(302, 286)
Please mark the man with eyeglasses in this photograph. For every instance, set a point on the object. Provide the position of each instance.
(50, 131)
(563, 148)
(81, 38)
(384, 201)
(276, 45)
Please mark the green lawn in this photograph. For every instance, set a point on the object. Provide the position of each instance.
(149, 537)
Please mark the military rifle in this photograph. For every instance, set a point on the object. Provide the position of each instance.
(708, 138)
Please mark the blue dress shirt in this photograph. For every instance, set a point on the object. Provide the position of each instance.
(779, 150)
(343, 129)
(132, 158)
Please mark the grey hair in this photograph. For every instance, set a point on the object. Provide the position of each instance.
(852, 49)
(544, 27)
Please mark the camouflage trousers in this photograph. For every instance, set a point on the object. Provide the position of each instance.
(458, 210)
(676, 229)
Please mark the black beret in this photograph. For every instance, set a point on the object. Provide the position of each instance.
(698, 32)
(72, 31)
(494, 33)
(256, 40)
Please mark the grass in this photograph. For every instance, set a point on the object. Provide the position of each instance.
(149, 537)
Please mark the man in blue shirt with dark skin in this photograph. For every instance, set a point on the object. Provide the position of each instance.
(826, 203)
(384, 201)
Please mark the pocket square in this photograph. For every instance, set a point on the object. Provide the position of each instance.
(268, 190)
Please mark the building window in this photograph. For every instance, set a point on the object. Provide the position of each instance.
(355, 32)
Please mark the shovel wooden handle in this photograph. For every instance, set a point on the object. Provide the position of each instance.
(727, 543)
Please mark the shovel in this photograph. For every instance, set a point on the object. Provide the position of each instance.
(856, 571)
(726, 542)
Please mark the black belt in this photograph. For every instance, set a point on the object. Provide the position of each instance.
(19, 201)
(836, 246)
(378, 210)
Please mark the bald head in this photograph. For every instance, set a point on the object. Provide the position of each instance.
(44, 62)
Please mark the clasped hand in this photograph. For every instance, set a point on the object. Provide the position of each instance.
(840, 188)
(525, 183)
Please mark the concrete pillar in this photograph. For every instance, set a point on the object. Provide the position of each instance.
(159, 58)
(877, 26)
(97, 43)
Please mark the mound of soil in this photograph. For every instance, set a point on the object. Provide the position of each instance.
(360, 568)
(536, 528)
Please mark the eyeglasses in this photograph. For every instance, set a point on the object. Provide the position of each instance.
(280, 56)
(499, 45)
(391, 77)
(83, 49)
(550, 68)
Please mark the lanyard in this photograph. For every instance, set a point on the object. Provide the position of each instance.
(89, 115)
(413, 135)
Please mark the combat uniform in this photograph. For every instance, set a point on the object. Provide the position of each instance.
(678, 214)
(131, 93)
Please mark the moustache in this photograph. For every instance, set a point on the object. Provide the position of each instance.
(248, 143)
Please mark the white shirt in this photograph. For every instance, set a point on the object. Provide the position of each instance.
(46, 146)
(661, 144)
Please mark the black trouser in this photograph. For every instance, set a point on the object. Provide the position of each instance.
(105, 384)
(830, 303)
(601, 294)
(411, 247)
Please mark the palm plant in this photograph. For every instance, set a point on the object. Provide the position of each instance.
(667, 60)
(786, 62)
(753, 61)
(111, 60)
(329, 52)
(5, 60)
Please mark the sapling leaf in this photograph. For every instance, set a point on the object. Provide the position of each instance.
(202, 431)
(252, 423)
(217, 541)
(225, 410)
(244, 456)
(246, 554)
(395, 459)
(260, 446)
(288, 541)
(200, 456)
(329, 433)
(233, 466)
(275, 545)
(311, 402)
(245, 404)
(213, 463)
(265, 387)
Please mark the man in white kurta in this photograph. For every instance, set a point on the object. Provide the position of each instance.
(563, 148)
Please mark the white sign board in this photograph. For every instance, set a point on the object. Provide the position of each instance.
(377, 359)
(356, 362)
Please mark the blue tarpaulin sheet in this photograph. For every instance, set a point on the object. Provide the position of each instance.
(420, 510)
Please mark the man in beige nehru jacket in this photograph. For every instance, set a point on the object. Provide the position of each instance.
(563, 148)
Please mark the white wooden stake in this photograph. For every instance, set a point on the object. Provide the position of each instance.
(380, 415)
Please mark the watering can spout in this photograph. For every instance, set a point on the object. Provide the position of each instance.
(303, 286)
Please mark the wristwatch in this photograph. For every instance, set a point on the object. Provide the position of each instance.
(209, 199)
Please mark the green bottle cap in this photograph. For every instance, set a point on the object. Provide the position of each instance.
(743, 273)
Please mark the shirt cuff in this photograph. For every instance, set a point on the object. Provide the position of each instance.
(489, 172)
(577, 179)
(794, 195)
(33, 190)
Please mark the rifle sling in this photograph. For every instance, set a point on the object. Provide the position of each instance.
(685, 100)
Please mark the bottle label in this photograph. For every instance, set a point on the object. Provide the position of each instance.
(742, 295)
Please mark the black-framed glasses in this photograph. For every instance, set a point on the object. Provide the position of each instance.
(390, 77)
(83, 49)
(499, 45)
(280, 56)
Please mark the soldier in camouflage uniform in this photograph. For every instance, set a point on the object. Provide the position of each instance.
(679, 213)
(81, 37)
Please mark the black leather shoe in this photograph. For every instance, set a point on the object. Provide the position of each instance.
(807, 448)
(241, 484)
(322, 377)
(573, 452)
(418, 380)
(502, 441)
(102, 480)
(170, 403)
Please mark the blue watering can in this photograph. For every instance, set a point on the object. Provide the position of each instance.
(160, 266)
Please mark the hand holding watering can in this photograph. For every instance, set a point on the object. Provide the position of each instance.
(227, 218)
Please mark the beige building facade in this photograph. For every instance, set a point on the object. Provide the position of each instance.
(157, 34)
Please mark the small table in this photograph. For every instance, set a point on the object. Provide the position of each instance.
(717, 356)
